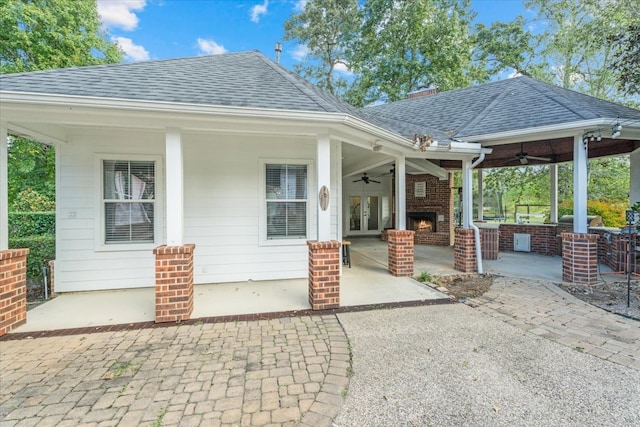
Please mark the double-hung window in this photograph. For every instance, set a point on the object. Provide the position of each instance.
(128, 201)
(286, 201)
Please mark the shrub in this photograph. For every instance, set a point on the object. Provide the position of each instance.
(31, 201)
(611, 211)
(24, 224)
(41, 250)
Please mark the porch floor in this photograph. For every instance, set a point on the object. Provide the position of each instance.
(366, 283)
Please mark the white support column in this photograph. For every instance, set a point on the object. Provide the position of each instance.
(323, 178)
(336, 196)
(634, 182)
(553, 175)
(580, 159)
(480, 196)
(174, 199)
(4, 190)
(401, 193)
(467, 194)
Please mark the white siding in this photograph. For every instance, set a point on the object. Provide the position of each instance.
(78, 265)
(222, 207)
(222, 198)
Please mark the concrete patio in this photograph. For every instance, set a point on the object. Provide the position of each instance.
(366, 283)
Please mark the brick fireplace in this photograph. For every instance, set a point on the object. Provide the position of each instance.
(430, 209)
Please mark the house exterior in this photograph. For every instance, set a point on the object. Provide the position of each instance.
(227, 152)
(249, 162)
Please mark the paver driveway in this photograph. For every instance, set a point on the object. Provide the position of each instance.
(289, 371)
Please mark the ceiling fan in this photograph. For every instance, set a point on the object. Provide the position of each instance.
(364, 178)
(525, 157)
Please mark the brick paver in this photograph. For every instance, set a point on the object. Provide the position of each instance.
(544, 309)
(289, 371)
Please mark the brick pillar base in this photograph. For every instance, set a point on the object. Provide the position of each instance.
(401, 252)
(464, 249)
(13, 289)
(174, 282)
(490, 243)
(324, 274)
(579, 258)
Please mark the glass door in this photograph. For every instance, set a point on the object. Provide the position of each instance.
(364, 214)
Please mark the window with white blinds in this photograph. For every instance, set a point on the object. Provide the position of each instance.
(286, 200)
(128, 200)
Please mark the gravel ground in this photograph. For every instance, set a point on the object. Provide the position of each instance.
(452, 365)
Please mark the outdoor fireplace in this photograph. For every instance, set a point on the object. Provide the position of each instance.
(422, 221)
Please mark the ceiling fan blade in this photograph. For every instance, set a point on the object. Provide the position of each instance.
(542, 159)
(373, 180)
(358, 180)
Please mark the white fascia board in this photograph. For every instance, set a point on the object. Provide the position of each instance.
(557, 131)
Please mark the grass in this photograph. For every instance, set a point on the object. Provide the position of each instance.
(425, 276)
(158, 421)
(118, 369)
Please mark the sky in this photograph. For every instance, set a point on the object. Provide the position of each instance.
(161, 29)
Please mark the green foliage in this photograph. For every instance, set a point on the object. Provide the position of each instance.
(425, 276)
(25, 224)
(612, 212)
(41, 250)
(326, 28)
(31, 201)
(627, 58)
(404, 45)
(45, 34)
(32, 167)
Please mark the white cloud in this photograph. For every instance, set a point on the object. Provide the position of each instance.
(300, 5)
(258, 10)
(133, 51)
(119, 13)
(210, 47)
(300, 52)
(342, 68)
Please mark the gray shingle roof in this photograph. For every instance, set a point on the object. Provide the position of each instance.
(505, 105)
(247, 79)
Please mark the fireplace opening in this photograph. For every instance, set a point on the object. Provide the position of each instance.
(421, 221)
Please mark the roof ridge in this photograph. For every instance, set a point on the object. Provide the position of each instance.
(485, 111)
(296, 82)
(568, 105)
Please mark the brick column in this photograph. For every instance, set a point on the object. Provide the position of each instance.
(464, 250)
(174, 282)
(579, 258)
(490, 243)
(13, 289)
(401, 252)
(324, 274)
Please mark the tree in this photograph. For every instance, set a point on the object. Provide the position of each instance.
(44, 34)
(626, 59)
(404, 45)
(326, 28)
(38, 35)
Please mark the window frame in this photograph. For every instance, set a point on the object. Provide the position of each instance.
(262, 191)
(100, 244)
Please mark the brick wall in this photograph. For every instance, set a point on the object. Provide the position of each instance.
(579, 258)
(13, 289)
(613, 251)
(324, 274)
(544, 237)
(174, 282)
(400, 256)
(464, 251)
(439, 199)
(489, 243)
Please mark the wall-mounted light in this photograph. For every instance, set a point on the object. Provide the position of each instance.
(615, 131)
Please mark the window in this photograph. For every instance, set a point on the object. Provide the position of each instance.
(286, 201)
(128, 201)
